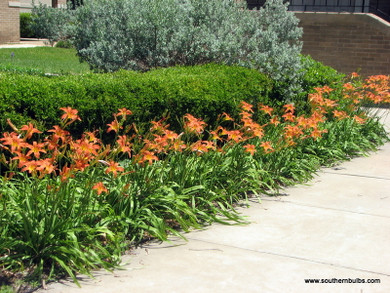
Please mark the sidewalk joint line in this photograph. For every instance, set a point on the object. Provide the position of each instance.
(325, 208)
(293, 257)
(356, 175)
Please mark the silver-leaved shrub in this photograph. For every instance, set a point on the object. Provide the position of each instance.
(55, 24)
(145, 34)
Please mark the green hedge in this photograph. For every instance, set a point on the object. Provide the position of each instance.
(25, 28)
(204, 91)
(316, 74)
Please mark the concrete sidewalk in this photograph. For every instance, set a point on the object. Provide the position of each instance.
(336, 227)
(27, 43)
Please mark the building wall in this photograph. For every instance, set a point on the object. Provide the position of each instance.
(9, 21)
(27, 5)
(347, 42)
(10, 17)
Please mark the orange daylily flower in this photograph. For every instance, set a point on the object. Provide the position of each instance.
(148, 156)
(316, 99)
(91, 136)
(311, 123)
(209, 144)
(194, 124)
(359, 120)
(114, 126)
(330, 103)
(154, 145)
(245, 115)
(226, 117)
(22, 158)
(36, 149)
(258, 132)
(248, 121)
(159, 126)
(303, 122)
(349, 87)
(235, 135)
(215, 134)
(160, 143)
(357, 98)
(202, 146)
(317, 117)
(124, 144)
(289, 116)
(377, 99)
(266, 145)
(178, 146)
(84, 147)
(59, 133)
(52, 144)
(114, 167)
(323, 90)
(274, 120)
(70, 114)
(339, 114)
(30, 130)
(100, 188)
(80, 160)
(246, 106)
(80, 164)
(326, 89)
(46, 166)
(253, 128)
(123, 112)
(66, 173)
(317, 133)
(250, 148)
(13, 140)
(266, 109)
(30, 167)
(170, 135)
(289, 108)
(289, 142)
(291, 131)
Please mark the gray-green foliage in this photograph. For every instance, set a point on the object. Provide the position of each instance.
(52, 23)
(128, 34)
(279, 45)
(144, 34)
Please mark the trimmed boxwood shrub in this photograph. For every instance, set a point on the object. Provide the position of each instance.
(204, 91)
(316, 74)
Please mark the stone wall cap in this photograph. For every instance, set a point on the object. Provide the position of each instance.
(14, 3)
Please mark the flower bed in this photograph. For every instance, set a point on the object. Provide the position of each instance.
(71, 204)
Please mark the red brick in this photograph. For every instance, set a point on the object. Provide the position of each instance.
(9, 23)
(347, 41)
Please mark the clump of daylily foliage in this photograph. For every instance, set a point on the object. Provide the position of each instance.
(71, 204)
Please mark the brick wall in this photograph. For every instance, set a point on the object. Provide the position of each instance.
(9, 21)
(347, 42)
(9, 17)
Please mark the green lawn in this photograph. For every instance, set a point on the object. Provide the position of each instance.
(46, 59)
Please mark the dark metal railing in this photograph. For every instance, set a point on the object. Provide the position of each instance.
(329, 5)
(381, 8)
(378, 7)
